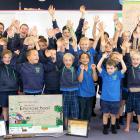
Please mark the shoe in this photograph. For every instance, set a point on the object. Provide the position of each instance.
(117, 124)
(121, 120)
(105, 130)
(93, 114)
(108, 123)
(135, 120)
(113, 129)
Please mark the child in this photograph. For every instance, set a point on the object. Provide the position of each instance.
(69, 88)
(8, 82)
(32, 74)
(133, 84)
(110, 98)
(86, 76)
(51, 72)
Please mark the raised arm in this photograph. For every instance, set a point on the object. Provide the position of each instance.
(94, 73)
(99, 65)
(81, 75)
(123, 70)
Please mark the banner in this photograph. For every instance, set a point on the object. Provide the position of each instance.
(35, 114)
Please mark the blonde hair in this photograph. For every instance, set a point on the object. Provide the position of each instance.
(84, 39)
(135, 54)
(30, 39)
(3, 39)
(6, 52)
(68, 55)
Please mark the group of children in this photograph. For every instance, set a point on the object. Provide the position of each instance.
(69, 63)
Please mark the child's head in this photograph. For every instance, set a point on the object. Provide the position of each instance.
(84, 44)
(66, 32)
(30, 42)
(108, 47)
(111, 66)
(135, 58)
(32, 56)
(68, 60)
(84, 58)
(61, 44)
(91, 42)
(106, 36)
(42, 43)
(3, 42)
(6, 56)
(126, 36)
(53, 54)
(115, 56)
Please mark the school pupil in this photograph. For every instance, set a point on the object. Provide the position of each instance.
(110, 98)
(86, 76)
(31, 73)
(133, 85)
(69, 87)
(9, 83)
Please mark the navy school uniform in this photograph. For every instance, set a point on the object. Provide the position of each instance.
(69, 88)
(133, 84)
(9, 83)
(32, 76)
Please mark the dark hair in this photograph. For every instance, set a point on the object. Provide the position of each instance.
(24, 25)
(65, 28)
(2, 24)
(42, 38)
(91, 39)
(105, 33)
(84, 53)
(111, 62)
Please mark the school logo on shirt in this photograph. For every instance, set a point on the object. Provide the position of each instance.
(114, 77)
(37, 69)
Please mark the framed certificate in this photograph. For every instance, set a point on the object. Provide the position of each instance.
(2, 128)
(78, 128)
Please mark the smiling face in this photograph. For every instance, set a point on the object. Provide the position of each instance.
(68, 60)
(66, 33)
(6, 59)
(135, 60)
(24, 29)
(32, 56)
(84, 44)
(84, 59)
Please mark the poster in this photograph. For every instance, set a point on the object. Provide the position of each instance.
(131, 14)
(35, 114)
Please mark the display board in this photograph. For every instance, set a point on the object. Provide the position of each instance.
(131, 12)
(35, 114)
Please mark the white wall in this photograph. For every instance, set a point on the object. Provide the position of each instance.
(42, 19)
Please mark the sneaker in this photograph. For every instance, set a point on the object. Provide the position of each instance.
(105, 130)
(113, 129)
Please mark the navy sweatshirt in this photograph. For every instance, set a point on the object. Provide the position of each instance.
(32, 76)
(8, 78)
